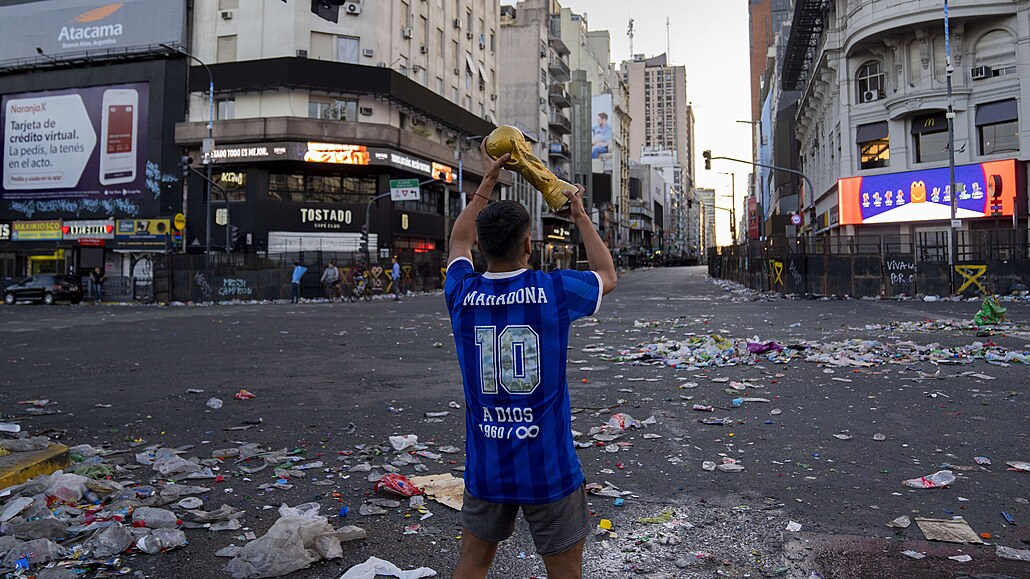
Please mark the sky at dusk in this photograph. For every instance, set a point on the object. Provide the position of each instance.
(710, 38)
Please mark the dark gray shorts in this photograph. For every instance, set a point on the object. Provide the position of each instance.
(556, 527)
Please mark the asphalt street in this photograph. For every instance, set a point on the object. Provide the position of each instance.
(121, 376)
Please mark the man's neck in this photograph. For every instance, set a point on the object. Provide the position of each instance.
(505, 267)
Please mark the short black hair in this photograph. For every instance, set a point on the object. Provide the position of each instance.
(603, 115)
(500, 228)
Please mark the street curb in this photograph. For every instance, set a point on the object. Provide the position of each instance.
(19, 467)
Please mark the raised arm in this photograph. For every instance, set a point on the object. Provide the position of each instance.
(597, 252)
(464, 233)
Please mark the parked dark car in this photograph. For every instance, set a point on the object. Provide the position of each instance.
(46, 288)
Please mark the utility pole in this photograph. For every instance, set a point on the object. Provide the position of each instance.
(953, 240)
(733, 205)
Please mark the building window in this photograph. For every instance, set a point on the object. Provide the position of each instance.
(333, 109)
(493, 41)
(314, 188)
(940, 64)
(468, 78)
(996, 50)
(931, 137)
(348, 49)
(997, 126)
(871, 82)
(226, 48)
(226, 109)
(873, 146)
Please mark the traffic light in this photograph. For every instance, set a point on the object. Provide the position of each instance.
(364, 238)
(708, 160)
(234, 234)
(186, 162)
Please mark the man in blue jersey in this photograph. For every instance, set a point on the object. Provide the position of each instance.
(511, 329)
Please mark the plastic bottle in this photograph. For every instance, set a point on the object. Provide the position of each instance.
(940, 478)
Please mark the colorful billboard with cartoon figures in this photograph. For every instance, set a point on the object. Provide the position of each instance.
(984, 190)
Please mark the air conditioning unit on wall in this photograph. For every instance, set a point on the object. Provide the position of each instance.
(980, 72)
(871, 95)
(227, 15)
(352, 7)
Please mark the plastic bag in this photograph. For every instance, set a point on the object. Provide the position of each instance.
(941, 478)
(398, 485)
(109, 542)
(36, 551)
(623, 421)
(374, 566)
(66, 487)
(990, 312)
(299, 538)
(763, 347)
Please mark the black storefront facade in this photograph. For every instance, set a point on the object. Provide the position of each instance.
(73, 227)
(298, 188)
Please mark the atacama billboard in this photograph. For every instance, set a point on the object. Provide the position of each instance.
(55, 29)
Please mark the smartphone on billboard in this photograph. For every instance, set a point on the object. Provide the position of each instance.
(119, 128)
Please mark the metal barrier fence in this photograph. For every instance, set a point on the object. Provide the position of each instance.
(987, 261)
(224, 277)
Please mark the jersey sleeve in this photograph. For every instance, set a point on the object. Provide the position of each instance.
(582, 292)
(457, 271)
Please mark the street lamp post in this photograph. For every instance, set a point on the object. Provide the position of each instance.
(953, 240)
(208, 147)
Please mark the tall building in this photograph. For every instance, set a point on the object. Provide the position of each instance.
(872, 120)
(314, 119)
(658, 103)
(534, 96)
(663, 130)
(775, 193)
(607, 146)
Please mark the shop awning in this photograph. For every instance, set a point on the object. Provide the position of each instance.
(871, 132)
(997, 112)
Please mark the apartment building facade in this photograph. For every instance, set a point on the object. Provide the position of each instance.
(313, 119)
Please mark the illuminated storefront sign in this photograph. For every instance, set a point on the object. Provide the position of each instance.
(92, 229)
(36, 230)
(984, 190)
(343, 154)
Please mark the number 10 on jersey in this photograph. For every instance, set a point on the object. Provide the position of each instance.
(510, 358)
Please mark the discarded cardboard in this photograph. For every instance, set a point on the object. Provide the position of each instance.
(445, 489)
(948, 530)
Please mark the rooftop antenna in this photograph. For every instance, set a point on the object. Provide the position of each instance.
(630, 34)
(668, 44)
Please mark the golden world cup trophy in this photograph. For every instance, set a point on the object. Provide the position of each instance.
(508, 139)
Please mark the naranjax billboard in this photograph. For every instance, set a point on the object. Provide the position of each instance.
(84, 143)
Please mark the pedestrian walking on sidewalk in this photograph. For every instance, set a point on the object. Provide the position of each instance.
(298, 272)
(511, 329)
(396, 274)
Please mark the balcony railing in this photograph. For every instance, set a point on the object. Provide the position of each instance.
(560, 123)
(558, 68)
(559, 96)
